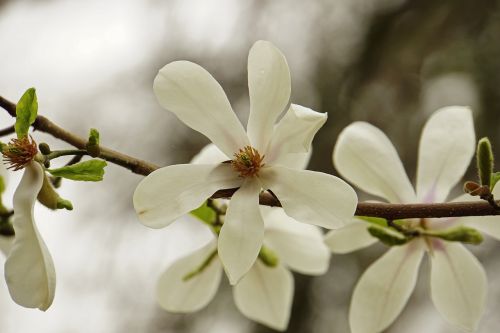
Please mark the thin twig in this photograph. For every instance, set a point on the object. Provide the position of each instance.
(7, 131)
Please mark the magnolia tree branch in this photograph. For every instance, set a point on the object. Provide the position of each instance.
(383, 210)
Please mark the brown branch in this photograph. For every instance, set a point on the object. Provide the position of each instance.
(43, 124)
(383, 210)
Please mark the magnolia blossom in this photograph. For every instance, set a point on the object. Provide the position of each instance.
(263, 157)
(366, 157)
(29, 270)
(265, 293)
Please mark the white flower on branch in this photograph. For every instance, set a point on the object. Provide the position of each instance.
(366, 157)
(265, 293)
(29, 270)
(263, 158)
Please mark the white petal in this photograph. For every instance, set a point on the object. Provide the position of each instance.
(384, 289)
(294, 133)
(6, 244)
(298, 245)
(210, 154)
(170, 192)
(176, 295)
(446, 147)
(458, 285)
(29, 270)
(265, 295)
(366, 157)
(197, 99)
(269, 86)
(242, 234)
(311, 197)
(354, 236)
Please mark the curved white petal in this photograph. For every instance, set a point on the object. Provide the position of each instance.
(446, 147)
(210, 154)
(6, 244)
(170, 192)
(29, 270)
(197, 99)
(269, 87)
(242, 234)
(384, 289)
(294, 134)
(174, 294)
(298, 245)
(354, 236)
(311, 197)
(265, 295)
(366, 157)
(458, 285)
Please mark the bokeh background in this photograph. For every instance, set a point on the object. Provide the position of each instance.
(388, 62)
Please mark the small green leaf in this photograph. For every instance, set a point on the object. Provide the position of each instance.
(495, 177)
(484, 156)
(92, 170)
(204, 213)
(26, 112)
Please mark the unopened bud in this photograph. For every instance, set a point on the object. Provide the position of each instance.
(44, 148)
(484, 156)
(388, 236)
(460, 234)
(50, 198)
(92, 145)
(268, 257)
(475, 189)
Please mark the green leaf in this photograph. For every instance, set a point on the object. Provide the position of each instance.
(495, 177)
(26, 112)
(92, 170)
(204, 213)
(484, 156)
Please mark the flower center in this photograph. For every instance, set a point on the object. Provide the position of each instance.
(247, 161)
(19, 152)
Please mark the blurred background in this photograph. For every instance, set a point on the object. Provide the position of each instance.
(388, 62)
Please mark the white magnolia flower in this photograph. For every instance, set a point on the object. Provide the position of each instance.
(366, 157)
(265, 293)
(29, 270)
(261, 158)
